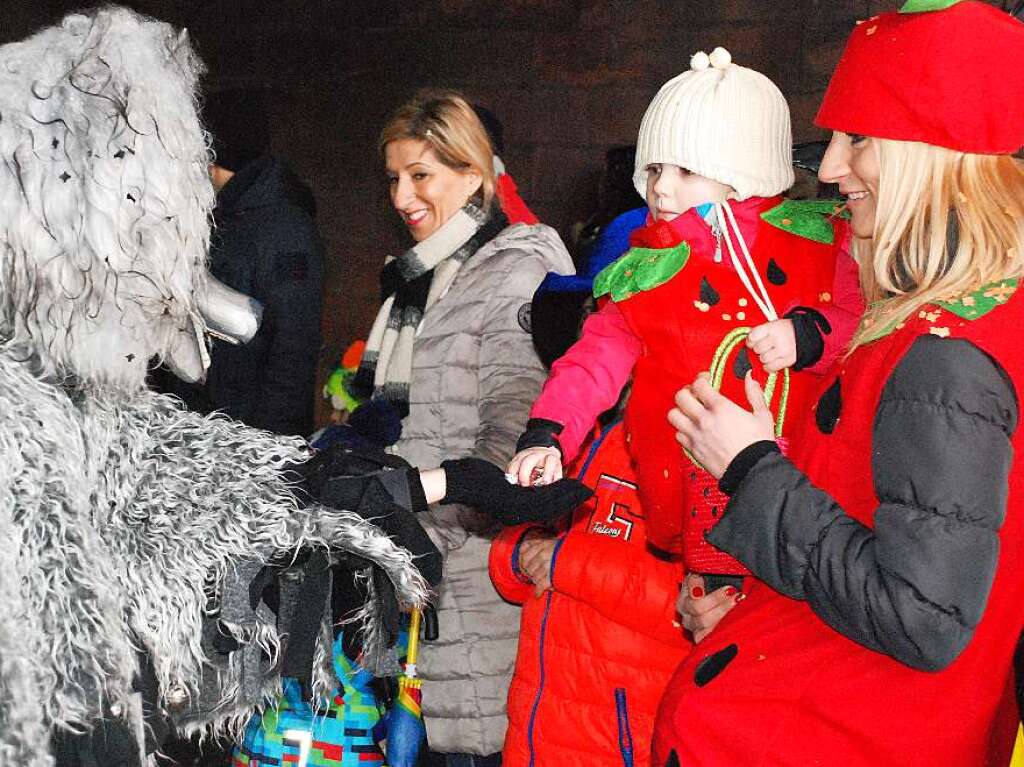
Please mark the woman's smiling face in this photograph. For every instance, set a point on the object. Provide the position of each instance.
(851, 161)
(425, 191)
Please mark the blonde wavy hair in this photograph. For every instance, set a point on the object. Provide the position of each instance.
(947, 223)
(448, 124)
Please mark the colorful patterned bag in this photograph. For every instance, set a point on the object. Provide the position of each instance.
(343, 732)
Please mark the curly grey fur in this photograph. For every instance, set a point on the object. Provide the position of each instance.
(119, 512)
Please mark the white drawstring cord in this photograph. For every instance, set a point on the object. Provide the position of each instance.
(760, 295)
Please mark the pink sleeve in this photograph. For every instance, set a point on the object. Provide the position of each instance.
(588, 379)
(844, 311)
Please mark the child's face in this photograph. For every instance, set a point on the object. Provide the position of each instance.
(672, 190)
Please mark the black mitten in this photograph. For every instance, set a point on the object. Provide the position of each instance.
(479, 483)
(378, 507)
(338, 476)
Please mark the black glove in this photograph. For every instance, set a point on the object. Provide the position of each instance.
(383, 489)
(479, 483)
(338, 476)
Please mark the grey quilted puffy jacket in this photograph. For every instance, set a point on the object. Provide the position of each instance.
(474, 377)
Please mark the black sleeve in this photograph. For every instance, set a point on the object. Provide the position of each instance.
(916, 585)
(809, 329)
(540, 432)
(292, 313)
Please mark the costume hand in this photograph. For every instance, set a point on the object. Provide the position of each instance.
(535, 555)
(545, 461)
(714, 428)
(774, 343)
(700, 611)
(479, 483)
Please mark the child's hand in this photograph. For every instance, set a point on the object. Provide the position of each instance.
(535, 555)
(536, 466)
(774, 343)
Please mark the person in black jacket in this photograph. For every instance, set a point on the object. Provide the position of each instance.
(265, 244)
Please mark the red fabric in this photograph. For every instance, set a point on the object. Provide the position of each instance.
(940, 77)
(608, 624)
(512, 205)
(680, 333)
(798, 692)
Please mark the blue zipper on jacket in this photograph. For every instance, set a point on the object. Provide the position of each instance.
(547, 607)
(625, 736)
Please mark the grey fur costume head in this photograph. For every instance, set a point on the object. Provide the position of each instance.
(117, 508)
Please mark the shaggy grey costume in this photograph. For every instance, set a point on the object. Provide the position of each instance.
(121, 515)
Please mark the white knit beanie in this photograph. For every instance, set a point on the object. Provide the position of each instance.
(722, 121)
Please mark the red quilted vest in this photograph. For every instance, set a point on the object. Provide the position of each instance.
(799, 693)
(681, 323)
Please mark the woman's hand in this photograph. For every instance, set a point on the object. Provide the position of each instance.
(774, 343)
(700, 611)
(536, 466)
(714, 428)
(535, 555)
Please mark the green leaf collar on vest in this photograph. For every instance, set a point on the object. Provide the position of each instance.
(810, 219)
(981, 301)
(640, 269)
(924, 6)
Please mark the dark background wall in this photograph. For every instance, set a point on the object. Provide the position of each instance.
(569, 78)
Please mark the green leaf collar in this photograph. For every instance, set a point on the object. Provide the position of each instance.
(640, 269)
(810, 219)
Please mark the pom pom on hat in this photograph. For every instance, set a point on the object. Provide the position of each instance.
(720, 58)
(721, 121)
(939, 73)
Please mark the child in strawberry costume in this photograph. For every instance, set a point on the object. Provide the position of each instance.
(888, 548)
(722, 250)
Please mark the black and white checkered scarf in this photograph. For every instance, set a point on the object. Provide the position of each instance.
(411, 284)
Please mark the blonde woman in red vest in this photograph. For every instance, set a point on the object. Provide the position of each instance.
(890, 544)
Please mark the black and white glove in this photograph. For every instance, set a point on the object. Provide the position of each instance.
(479, 483)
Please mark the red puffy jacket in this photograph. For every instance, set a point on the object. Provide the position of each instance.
(596, 652)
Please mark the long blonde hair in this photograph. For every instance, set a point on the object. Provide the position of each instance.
(947, 223)
(448, 124)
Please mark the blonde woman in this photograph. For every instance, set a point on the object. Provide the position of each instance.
(451, 352)
(890, 544)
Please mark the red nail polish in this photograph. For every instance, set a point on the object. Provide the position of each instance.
(729, 591)
(740, 597)
(696, 592)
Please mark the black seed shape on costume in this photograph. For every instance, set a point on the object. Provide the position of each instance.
(119, 154)
(713, 665)
(708, 294)
(673, 759)
(826, 412)
(775, 274)
(65, 177)
(55, 143)
(741, 365)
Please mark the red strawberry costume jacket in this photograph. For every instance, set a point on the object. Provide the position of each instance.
(596, 652)
(891, 555)
(667, 334)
